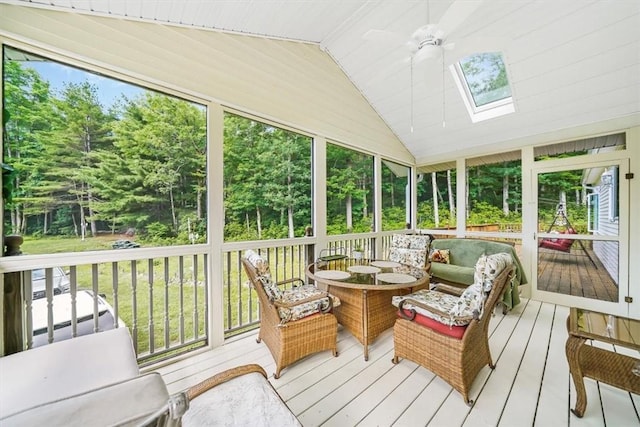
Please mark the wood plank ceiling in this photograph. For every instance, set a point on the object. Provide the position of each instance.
(570, 63)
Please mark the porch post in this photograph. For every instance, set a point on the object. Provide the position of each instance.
(13, 313)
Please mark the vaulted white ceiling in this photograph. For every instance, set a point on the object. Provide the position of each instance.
(570, 62)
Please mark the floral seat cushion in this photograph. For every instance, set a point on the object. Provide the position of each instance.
(444, 303)
(299, 293)
(459, 311)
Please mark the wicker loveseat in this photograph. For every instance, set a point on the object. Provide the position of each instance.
(462, 257)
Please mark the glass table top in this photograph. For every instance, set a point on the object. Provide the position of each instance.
(605, 327)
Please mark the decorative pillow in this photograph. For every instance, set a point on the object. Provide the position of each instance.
(413, 257)
(439, 255)
(400, 241)
(255, 259)
(470, 303)
(271, 289)
(419, 241)
(488, 267)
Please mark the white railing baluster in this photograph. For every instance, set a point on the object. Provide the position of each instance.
(73, 289)
(181, 284)
(28, 298)
(134, 302)
(96, 291)
(195, 296)
(151, 325)
(167, 280)
(115, 287)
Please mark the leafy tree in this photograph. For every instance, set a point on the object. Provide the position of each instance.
(80, 127)
(161, 144)
(349, 189)
(28, 116)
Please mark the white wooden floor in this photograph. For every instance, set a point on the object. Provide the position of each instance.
(530, 386)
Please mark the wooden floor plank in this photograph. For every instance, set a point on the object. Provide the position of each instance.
(358, 408)
(320, 411)
(430, 402)
(393, 407)
(496, 391)
(574, 274)
(617, 406)
(553, 401)
(531, 377)
(521, 402)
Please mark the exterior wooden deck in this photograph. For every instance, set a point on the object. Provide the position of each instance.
(530, 386)
(574, 274)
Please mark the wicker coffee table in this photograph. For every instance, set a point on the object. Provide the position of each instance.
(597, 363)
(365, 293)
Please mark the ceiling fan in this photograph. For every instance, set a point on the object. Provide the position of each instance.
(429, 40)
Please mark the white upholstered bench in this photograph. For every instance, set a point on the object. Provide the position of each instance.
(94, 380)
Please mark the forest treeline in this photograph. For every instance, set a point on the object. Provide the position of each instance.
(81, 169)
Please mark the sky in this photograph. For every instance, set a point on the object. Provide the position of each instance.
(109, 90)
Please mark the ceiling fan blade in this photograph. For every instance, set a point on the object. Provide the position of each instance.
(457, 13)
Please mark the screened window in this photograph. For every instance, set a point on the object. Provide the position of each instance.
(96, 160)
(437, 197)
(396, 196)
(494, 193)
(349, 191)
(610, 181)
(267, 180)
(484, 85)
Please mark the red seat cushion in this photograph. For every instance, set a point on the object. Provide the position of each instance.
(452, 331)
(563, 245)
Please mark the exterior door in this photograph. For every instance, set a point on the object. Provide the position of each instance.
(582, 254)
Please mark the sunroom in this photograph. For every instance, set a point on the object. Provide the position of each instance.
(293, 128)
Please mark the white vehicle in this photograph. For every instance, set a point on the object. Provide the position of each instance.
(61, 282)
(62, 317)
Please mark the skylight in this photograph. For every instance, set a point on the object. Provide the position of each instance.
(484, 86)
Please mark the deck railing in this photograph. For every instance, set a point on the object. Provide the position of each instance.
(163, 300)
(160, 294)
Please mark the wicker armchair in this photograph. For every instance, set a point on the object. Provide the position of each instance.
(290, 338)
(457, 360)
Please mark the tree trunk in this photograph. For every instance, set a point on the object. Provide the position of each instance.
(505, 194)
(349, 214)
(83, 223)
(290, 222)
(365, 207)
(45, 225)
(199, 203)
(259, 223)
(75, 224)
(173, 210)
(393, 193)
(434, 187)
(94, 227)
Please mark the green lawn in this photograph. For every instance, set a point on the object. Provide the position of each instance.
(164, 300)
(158, 306)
